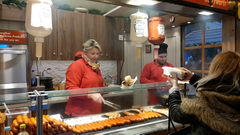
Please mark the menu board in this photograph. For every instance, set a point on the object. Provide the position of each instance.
(219, 4)
(16, 37)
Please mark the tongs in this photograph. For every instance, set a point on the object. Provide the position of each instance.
(112, 105)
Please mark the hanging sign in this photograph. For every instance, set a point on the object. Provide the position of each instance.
(200, 2)
(16, 37)
(219, 4)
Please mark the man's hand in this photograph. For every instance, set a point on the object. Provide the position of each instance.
(96, 97)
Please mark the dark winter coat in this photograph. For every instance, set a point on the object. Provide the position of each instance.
(210, 113)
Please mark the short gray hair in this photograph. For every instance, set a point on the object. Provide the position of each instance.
(91, 43)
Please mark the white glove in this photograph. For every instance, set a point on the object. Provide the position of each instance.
(96, 97)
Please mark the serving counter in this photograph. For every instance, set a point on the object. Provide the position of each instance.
(128, 111)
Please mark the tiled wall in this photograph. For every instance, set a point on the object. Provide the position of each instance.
(58, 69)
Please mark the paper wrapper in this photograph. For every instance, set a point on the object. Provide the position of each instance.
(173, 71)
(128, 82)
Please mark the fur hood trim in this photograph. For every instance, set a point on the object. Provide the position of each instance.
(220, 112)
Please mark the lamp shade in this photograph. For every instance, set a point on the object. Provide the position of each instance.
(139, 27)
(156, 30)
(38, 21)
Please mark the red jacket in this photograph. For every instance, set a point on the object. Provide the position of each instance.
(152, 73)
(81, 75)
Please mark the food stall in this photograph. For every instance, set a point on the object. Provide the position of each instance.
(43, 111)
(137, 119)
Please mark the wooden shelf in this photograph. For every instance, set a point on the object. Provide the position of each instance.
(11, 13)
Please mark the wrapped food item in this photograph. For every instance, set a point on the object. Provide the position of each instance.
(170, 71)
(128, 82)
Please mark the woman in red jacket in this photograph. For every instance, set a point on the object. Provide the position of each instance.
(85, 73)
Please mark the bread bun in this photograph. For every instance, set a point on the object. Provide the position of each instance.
(128, 81)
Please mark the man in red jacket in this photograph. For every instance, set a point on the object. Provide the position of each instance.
(153, 72)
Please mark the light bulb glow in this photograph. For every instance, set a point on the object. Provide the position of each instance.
(41, 15)
(142, 2)
(205, 13)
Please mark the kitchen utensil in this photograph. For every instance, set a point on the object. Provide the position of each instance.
(112, 105)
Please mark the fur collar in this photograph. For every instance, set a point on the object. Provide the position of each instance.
(220, 112)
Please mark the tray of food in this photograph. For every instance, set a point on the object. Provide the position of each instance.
(116, 123)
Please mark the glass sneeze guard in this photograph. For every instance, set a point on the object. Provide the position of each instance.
(117, 89)
(19, 97)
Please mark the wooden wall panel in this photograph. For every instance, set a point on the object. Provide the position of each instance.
(79, 31)
(71, 30)
(118, 46)
(64, 34)
(50, 46)
(228, 33)
(120, 26)
(11, 13)
(238, 36)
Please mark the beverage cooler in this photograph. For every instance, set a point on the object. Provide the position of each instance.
(13, 62)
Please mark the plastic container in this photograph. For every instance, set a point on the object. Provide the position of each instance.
(139, 27)
(7, 130)
(34, 79)
(38, 21)
(156, 30)
(23, 130)
(47, 82)
(13, 113)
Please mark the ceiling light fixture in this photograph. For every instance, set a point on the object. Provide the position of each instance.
(173, 26)
(189, 22)
(142, 2)
(205, 13)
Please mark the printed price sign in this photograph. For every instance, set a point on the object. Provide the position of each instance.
(220, 4)
(16, 37)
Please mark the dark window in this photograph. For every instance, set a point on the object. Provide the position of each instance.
(193, 59)
(201, 43)
(213, 33)
(193, 36)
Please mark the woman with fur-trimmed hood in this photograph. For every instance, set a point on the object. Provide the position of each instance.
(216, 108)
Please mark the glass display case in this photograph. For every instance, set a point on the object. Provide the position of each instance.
(123, 110)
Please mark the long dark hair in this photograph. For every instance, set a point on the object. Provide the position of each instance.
(224, 74)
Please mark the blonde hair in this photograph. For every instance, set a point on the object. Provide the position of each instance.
(224, 74)
(90, 44)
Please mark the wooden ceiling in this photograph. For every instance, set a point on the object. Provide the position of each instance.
(120, 8)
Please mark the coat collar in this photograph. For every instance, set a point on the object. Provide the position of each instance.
(220, 112)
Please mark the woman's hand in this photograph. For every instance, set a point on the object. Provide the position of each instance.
(173, 80)
(96, 97)
(187, 73)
